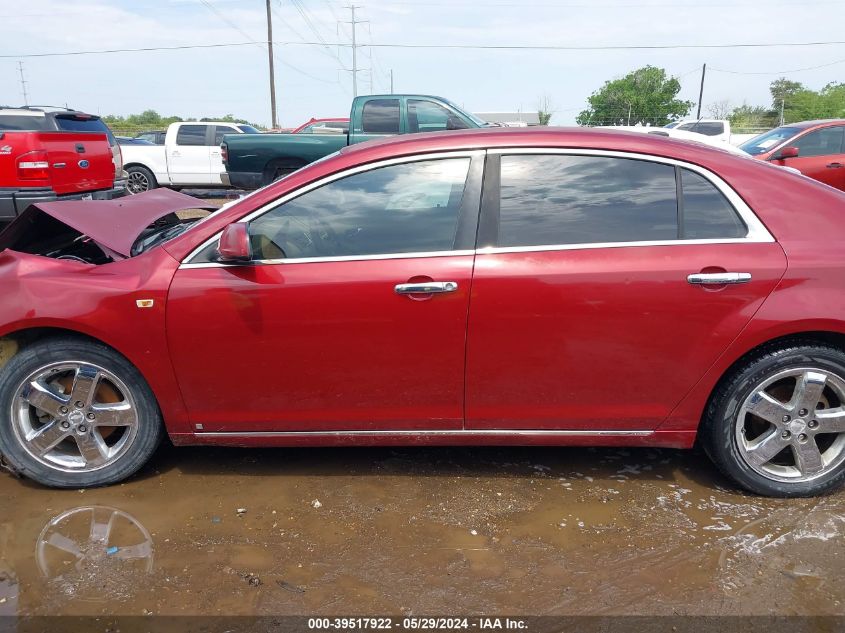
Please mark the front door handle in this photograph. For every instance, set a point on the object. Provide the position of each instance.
(834, 165)
(718, 279)
(426, 287)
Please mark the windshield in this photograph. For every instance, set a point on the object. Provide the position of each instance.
(769, 140)
(248, 129)
(469, 115)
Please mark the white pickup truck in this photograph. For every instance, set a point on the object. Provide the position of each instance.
(190, 157)
(715, 128)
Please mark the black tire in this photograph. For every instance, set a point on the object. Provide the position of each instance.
(139, 180)
(148, 430)
(719, 424)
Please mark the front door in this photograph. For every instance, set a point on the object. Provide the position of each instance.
(821, 155)
(352, 317)
(584, 315)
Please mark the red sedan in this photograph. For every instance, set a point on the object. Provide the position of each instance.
(815, 148)
(545, 287)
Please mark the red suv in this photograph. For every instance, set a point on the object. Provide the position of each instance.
(815, 148)
(55, 154)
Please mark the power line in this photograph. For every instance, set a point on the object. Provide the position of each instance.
(779, 72)
(434, 46)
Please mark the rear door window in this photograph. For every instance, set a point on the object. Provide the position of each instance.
(708, 128)
(563, 199)
(381, 116)
(191, 135)
(221, 130)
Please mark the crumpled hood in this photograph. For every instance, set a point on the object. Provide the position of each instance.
(114, 225)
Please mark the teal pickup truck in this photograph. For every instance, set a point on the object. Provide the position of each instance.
(254, 160)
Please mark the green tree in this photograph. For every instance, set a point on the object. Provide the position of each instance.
(645, 96)
(746, 118)
(545, 109)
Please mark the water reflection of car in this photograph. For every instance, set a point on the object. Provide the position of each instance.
(815, 148)
(626, 290)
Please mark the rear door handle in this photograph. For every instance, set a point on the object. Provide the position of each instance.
(426, 288)
(719, 278)
(834, 165)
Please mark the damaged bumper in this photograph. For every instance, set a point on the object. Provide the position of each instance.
(13, 202)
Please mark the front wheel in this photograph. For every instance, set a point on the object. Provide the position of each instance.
(140, 179)
(77, 414)
(776, 426)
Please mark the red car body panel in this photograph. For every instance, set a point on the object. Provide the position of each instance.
(63, 152)
(829, 168)
(313, 121)
(339, 350)
(553, 340)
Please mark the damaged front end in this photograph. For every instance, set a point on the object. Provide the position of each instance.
(100, 231)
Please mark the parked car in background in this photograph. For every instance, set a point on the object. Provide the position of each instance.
(815, 148)
(715, 128)
(156, 137)
(637, 286)
(682, 135)
(55, 154)
(189, 157)
(323, 126)
(127, 140)
(255, 161)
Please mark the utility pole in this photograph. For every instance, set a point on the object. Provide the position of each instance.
(275, 122)
(701, 91)
(23, 84)
(355, 70)
(391, 81)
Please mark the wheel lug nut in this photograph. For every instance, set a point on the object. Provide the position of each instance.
(786, 435)
(82, 428)
(78, 404)
(65, 425)
(90, 416)
(786, 418)
(813, 424)
(802, 438)
(63, 409)
(802, 412)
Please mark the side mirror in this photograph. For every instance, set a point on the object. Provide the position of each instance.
(234, 246)
(789, 151)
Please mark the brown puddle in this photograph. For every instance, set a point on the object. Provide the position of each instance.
(422, 531)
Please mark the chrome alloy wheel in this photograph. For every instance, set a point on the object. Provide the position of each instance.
(137, 182)
(74, 416)
(792, 426)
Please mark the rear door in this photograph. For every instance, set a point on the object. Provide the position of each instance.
(377, 118)
(188, 157)
(586, 310)
(821, 155)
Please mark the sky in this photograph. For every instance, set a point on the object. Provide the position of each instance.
(314, 81)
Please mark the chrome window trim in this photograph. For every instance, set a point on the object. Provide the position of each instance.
(757, 231)
(186, 263)
(447, 433)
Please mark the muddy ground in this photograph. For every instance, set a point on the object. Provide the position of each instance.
(421, 531)
(531, 531)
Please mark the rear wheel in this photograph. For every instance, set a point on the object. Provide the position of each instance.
(777, 425)
(76, 414)
(140, 179)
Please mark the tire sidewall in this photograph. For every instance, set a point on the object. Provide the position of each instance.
(721, 442)
(37, 355)
(147, 174)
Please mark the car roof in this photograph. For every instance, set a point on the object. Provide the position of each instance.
(818, 122)
(504, 137)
